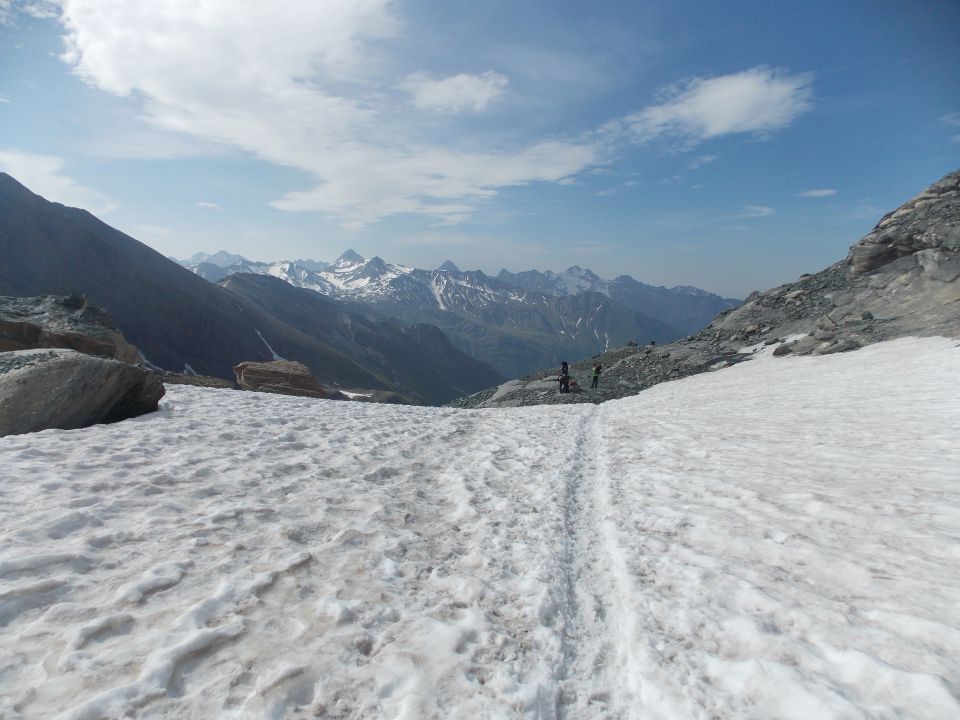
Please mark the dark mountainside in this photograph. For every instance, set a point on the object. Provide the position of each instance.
(900, 280)
(416, 360)
(176, 318)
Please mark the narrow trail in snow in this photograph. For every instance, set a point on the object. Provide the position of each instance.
(596, 677)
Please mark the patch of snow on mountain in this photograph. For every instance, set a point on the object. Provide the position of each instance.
(437, 286)
(777, 539)
(273, 353)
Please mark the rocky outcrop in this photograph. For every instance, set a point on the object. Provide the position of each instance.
(66, 389)
(902, 279)
(51, 321)
(284, 377)
(928, 222)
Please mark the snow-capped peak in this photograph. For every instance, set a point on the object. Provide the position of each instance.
(220, 259)
(349, 259)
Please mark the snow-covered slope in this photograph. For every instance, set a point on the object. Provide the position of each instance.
(776, 540)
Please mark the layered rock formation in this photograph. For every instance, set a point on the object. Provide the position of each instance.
(66, 389)
(283, 377)
(52, 321)
(902, 279)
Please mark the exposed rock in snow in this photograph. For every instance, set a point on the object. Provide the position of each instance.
(41, 389)
(285, 377)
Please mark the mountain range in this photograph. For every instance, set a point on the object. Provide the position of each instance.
(181, 322)
(514, 322)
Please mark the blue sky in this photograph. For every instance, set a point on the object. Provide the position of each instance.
(727, 145)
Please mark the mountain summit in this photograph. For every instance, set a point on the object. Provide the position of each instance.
(349, 258)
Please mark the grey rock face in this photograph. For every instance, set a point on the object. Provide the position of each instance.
(930, 220)
(42, 389)
(283, 377)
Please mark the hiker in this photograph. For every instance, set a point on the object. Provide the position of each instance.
(564, 377)
(597, 368)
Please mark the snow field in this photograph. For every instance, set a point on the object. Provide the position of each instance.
(780, 539)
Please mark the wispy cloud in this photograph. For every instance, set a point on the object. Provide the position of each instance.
(4, 100)
(756, 211)
(693, 165)
(952, 120)
(819, 193)
(43, 174)
(455, 93)
(208, 205)
(756, 101)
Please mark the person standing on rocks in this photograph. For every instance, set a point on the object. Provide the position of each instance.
(597, 369)
(564, 377)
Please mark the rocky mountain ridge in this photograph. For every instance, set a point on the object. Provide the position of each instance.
(901, 279)
(514, 323)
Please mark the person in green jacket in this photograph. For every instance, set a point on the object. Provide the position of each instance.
(596, 374)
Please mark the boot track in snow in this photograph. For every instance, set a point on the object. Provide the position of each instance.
(597, 676)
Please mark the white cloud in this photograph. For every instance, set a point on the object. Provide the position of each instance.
(208, 205)
(310, 85)
(756, 211)
(455, 93)
(825, 192)
(43, 175)
(755, 101)
(299, 88)
(5, 101)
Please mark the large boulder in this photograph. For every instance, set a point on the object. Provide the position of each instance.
(285, 377)
(51, 321)
(66, 389)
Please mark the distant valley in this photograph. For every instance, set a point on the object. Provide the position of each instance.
(513, 322)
